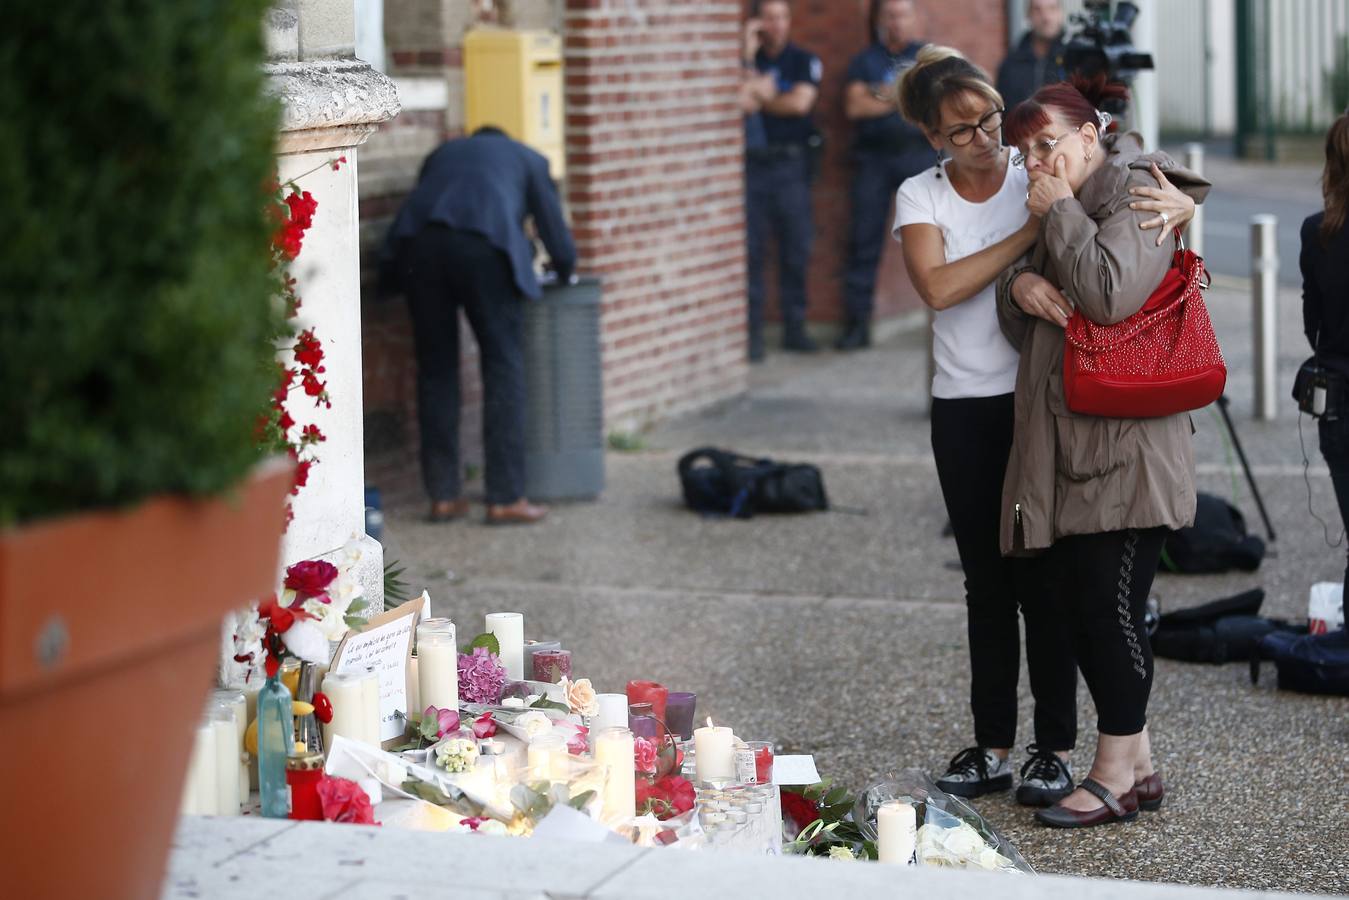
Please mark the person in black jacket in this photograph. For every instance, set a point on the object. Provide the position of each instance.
(459, 243)
(1037, 59)
(1324, 261)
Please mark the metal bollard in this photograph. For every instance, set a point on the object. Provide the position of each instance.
(1194, 161)
(1264, 313)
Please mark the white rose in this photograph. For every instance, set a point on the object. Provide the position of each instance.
(534, 724)
(305, 639)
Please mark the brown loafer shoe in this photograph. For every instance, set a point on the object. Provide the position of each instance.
(521, 512)
(1122, 809)
(448, 510)
(1150, 793)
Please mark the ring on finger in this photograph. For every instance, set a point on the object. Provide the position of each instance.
(1165, 218)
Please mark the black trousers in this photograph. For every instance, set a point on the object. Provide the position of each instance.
(876, 178)
(1334, 434)
(1104, 580)
(777, 206)
(971, 440)
(450, 270)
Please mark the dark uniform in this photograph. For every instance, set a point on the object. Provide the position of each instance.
(886, 150)
(1023, 73)
(777, 180)
(459, 243)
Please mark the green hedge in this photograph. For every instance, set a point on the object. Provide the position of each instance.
(135, 149)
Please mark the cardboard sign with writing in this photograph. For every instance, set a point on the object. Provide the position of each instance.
(385, 645)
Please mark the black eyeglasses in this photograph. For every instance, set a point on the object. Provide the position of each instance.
(991, 123)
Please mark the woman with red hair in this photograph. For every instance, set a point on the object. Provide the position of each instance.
(1094, 495)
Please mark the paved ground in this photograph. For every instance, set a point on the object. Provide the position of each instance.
(843, 634)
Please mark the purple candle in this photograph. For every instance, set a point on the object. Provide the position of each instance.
(552, 665)
(679, 713)
(642, 721)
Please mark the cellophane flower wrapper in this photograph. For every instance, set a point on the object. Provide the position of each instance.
(951, 834)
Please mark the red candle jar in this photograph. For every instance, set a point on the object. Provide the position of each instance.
(763, 761)
(552, 665)
(303, 774)
(649, 692)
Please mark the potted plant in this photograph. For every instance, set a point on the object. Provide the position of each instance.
(136, 311)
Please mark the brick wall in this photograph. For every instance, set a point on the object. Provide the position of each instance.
(655, 185)
(836, 31)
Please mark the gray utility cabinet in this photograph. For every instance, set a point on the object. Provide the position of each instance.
(564, 425)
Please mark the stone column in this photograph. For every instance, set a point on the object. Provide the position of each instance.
(331, 102)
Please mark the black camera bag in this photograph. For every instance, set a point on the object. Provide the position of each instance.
(720, 482)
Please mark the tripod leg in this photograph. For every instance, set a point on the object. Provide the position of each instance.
(1246, 466)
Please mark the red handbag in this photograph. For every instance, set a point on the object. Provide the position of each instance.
(1163, 359)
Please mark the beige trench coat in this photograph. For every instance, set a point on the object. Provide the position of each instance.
(1071, 474)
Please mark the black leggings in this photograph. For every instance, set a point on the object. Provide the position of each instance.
(1104, 580)
(971, 440)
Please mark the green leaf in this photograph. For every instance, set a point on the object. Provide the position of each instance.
(580, 800)
(544, 703)
(355, 623)
(487, 640)
(358, 605)
(429, 728)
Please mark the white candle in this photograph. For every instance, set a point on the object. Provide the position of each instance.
(437, 666)
(509, 629)
(414, 687)
(347, 694)
(613, 712)
(897, 831)
(543, 751)
(237, 703)
(225, 743)
(200, 796)
(370, 707)
(613, 749)
(714, 752)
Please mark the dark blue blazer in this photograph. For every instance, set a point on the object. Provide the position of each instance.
(488, 183)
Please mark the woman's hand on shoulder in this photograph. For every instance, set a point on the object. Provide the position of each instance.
(1038, 297)
(1046, 188)
(1173, 206)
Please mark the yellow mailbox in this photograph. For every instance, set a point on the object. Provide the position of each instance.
(513, 79)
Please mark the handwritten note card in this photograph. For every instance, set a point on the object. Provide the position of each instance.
(385, 645)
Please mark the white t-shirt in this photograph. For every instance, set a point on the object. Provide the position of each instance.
(973, 358)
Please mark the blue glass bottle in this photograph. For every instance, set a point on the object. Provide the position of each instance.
(276, 732)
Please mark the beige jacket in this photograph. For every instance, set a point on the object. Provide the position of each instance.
(1072, 474)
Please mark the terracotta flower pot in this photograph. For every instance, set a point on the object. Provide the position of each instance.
(109, 639)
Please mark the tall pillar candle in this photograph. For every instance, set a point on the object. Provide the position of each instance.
(613, 712)
(225, 744)
(613, 750)
(237, 703)
(437, 666)
(896, 832)
(370, 706)
(346, 694)
(714, 752)
(201, 782)
(509, 629)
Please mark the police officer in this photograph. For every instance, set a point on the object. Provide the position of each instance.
(1037, 59)
(778, 174)
(886, 150)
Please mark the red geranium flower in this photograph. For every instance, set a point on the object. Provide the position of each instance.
(343, 800)
(800, 810)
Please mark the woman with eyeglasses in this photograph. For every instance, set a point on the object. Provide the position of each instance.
(1096, 496)
(962, 222)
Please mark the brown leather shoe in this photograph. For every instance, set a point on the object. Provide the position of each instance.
(448, 510)
(1150, 793)
(1122, 809)
(521, 512)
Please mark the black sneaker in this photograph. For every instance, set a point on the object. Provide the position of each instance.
(1045, 779)
(857, 336)
(974, 772)
(796, 340)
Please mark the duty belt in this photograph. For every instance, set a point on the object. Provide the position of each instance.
(775, 152)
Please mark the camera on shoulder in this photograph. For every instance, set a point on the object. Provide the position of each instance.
(1319, 391)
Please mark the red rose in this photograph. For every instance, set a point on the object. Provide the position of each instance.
(681, 794)
(279, 618)
(800, 810)
(311, 577)
(484, 726)
(343, 800)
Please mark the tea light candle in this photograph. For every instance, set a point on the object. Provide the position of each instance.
(543, 752)
(613, 749)
(613, 712)
(897, 831)
(509, 629)
(714, 752)
(437, 666)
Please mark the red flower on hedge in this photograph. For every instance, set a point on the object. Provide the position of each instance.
(301, 473)
(310, 578)
(343, 800)
(308, 349)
